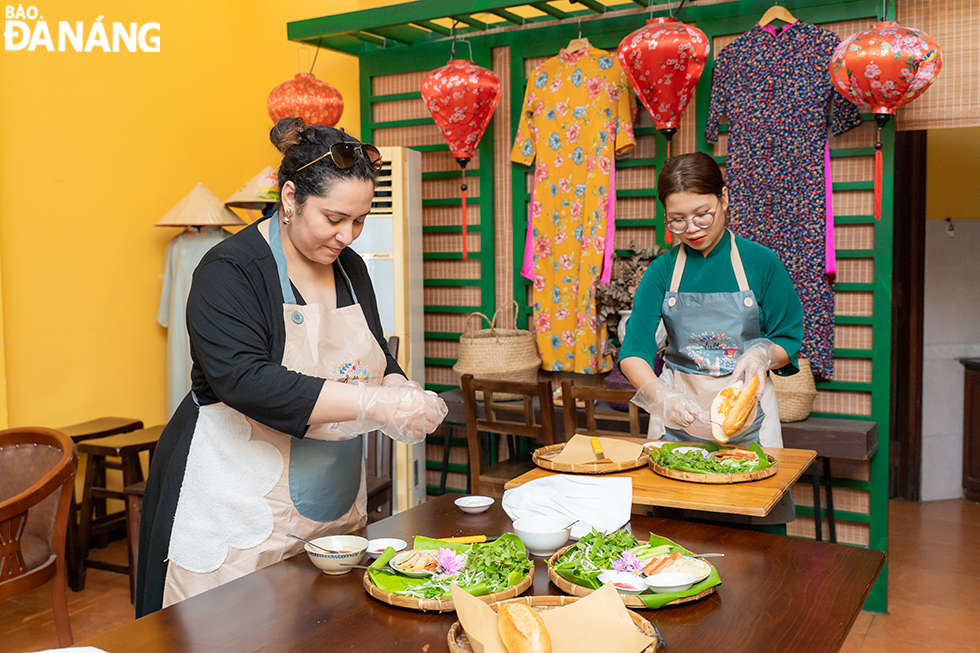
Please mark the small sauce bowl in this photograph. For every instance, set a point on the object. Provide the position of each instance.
(376, 547)
(474, 504)
(623, 581)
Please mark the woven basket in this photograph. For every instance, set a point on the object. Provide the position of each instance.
(795, 394)
(498, 354)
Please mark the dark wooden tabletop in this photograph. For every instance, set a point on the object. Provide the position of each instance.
(777, 594)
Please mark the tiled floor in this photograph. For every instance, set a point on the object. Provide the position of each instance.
(933, 582)
(933, 597)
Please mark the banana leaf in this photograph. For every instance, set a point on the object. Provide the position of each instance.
(385, 578)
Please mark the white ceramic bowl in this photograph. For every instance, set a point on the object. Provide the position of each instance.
(625, 582)
(376, 547)
(474, 504)
(543, 535)
(351, 549)
(670, 582)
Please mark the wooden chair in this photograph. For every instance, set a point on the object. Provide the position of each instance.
(378, 464)
(37, 478)
(490, 479)
(590, 396)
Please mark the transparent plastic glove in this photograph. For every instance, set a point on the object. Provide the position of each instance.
(758, 358)
(402, 412)
(678, 410)
(395, 380)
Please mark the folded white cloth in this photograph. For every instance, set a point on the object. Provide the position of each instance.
(600, 502)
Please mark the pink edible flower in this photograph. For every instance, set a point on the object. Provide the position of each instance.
(628, 562)
(450, 563)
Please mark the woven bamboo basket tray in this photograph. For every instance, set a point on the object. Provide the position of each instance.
(498, 354)
(717, 479)
(442, 605)
(459, 643)
(795, 394)
(544, 458)
(629, 600)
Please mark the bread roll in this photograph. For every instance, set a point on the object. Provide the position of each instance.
(522, 629)
(731, 408)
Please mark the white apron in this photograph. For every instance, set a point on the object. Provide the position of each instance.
(246, 486)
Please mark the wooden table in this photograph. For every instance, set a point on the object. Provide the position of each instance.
(755, 498)
(778, 594)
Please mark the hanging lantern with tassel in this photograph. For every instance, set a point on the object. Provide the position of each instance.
(306, 97)
(663, 61)
(882, 69)
(461, 97)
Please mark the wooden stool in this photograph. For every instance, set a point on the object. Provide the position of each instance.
(847, 439)
(127, 447)
(95, 428)
(134, 510)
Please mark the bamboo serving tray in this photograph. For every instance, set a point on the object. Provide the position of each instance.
(629, 600)
(716, 478)
(544, 458)
(442, 605)
(459, 643)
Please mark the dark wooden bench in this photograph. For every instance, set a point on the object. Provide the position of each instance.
(844, 439)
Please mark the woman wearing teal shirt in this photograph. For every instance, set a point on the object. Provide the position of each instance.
(729, 308)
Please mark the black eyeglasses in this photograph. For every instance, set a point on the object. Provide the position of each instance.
(342, 155)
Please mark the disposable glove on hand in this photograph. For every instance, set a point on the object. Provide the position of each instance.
(757, 360)
(678, 410)
(402, 412)
(395, 380)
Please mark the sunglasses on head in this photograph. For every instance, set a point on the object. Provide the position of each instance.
(343, 156)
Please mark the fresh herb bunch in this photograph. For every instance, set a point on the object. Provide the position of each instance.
(596, 552)
(490, 568)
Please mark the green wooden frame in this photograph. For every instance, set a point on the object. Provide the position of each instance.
(382, 38)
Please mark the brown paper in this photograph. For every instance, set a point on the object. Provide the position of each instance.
(597, 622)
(578, 450)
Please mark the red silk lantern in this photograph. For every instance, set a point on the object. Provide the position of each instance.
(461, 97)
(882, 69)
(306, 97)
(663, 61)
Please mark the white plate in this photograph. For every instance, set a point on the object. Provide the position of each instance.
(399, 558)
(671, 582)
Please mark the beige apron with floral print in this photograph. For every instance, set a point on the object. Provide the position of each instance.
(246, 486)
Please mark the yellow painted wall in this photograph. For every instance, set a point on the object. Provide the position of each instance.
(952, 174)
(94, 148)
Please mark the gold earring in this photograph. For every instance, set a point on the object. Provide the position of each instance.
(289, 214)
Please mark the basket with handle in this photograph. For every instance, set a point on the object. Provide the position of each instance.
(497, 354)
(795, 393)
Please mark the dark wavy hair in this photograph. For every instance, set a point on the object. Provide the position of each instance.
(300, 144)
(690, 173)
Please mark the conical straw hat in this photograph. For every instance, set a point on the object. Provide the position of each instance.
(199, 208)
(257, 194)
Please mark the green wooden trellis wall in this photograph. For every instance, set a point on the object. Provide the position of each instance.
(389, 41)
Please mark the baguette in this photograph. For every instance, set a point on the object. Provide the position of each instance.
(731, 408)
(522, 629)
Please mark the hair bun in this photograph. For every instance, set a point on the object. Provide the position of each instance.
(286, 133)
